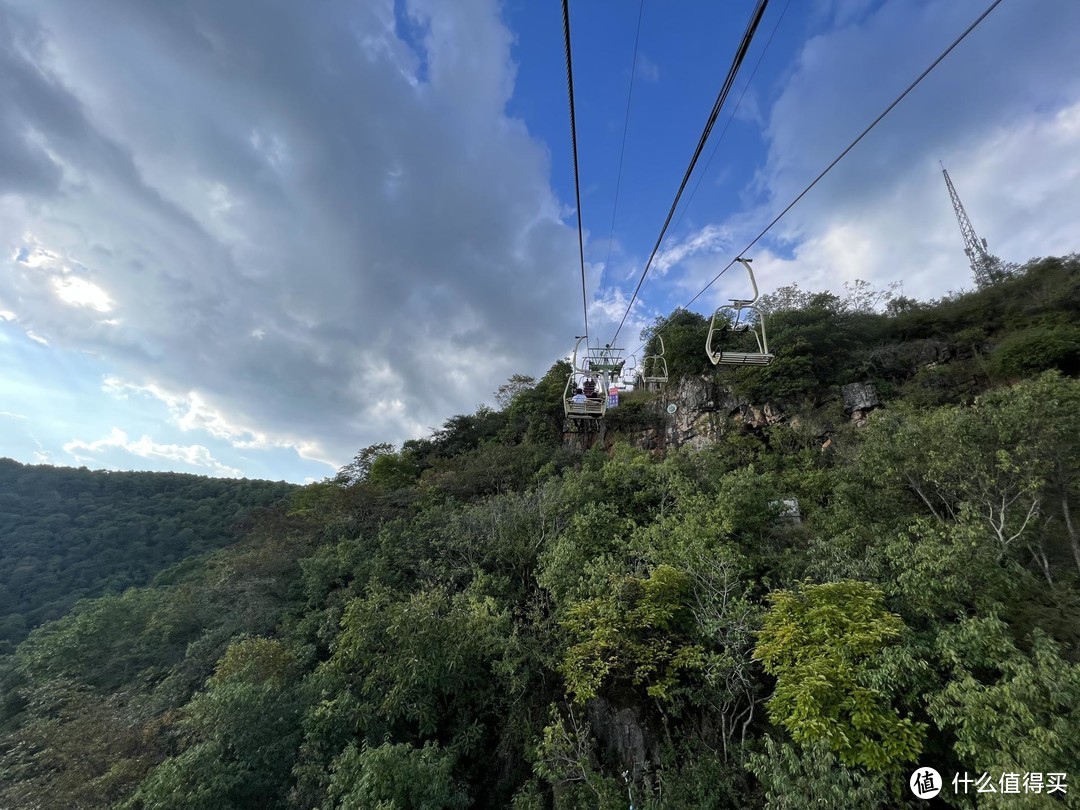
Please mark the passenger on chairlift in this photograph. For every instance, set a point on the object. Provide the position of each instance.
(579, 397)
(590, 388)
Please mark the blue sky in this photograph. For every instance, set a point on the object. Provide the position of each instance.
(248, 239)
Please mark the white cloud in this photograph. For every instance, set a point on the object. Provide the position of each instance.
(1007, 133)
(191, 412)
(78, 292)
(708, 239)
(231, 196)
(194, 455)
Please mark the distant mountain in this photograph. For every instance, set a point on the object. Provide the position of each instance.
(67, 534)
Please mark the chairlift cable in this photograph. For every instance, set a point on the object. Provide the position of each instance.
(735, 109)
(740, 54)
(842, 155)
(626, 125)
(573, 143)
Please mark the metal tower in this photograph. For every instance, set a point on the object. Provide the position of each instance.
(983, 266)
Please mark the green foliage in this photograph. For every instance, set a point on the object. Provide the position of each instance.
(996, 467)
(359, 469)
(1010, 710)
(810, 777)
(489, 469)
(820, 641)
(535, 415)
(254, 660)
(105, 642)
(580, 560)
(637, 633)
(812, 345)
(80, 750)
(512, 389)
(393, 471)
(69, 534)
(636, 412)
(410, 660)
(199, 779)
(395, 777)
(684, 334)
(1025, 353)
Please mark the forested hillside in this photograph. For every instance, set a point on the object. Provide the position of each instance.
(485, 619)
(66, 534)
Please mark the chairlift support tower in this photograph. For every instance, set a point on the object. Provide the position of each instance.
(982, 263)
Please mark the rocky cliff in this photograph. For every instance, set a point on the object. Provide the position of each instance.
(697, 411)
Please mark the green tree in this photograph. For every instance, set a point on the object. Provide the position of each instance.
(684, 334)
(395, 777)
(1009, 710)
(821, 642)
(359, 469)
(811, 777)
(638, 633)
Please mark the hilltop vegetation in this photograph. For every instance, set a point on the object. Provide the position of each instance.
(483, 619)
(67, 534)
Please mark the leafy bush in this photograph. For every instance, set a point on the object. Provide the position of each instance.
(1023, 354)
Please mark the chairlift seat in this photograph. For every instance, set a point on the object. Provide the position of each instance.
(744, 359)
(590, 409)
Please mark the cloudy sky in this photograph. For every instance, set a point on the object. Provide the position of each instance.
(247, 238)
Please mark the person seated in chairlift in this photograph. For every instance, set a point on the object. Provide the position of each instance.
(579, 397)
(590, 388)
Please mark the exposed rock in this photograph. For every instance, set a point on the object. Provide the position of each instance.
(861, 417)
(859, 397)
(703, 412)
(579, 436)
(788, 510)
(624, 737)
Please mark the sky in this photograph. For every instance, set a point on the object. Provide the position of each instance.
(246, 238)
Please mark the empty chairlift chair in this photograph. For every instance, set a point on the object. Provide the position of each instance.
(730, 327)
(631, 373)
(654, 373)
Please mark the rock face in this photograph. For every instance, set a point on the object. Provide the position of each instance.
(859, 397)
(859, 400)
(626, 741)
(580, 436)
(704, 412)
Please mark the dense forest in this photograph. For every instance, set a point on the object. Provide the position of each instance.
(66, 534)
(794, 613)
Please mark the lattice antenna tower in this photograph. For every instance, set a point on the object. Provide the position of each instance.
(984, 267)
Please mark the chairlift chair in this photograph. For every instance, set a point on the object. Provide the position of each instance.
(741, 316)
(654, 372)
(590, 409)
(630, 374)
